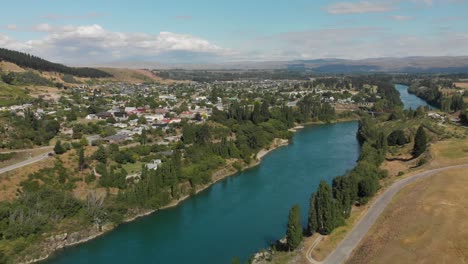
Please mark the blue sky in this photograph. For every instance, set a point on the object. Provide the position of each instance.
(205, 31)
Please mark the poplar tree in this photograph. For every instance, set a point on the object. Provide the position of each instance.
(312, 223)
(81, 159)
(344, 189)
(294, 232)
(326, 210)
(143, 137)
(420, 142)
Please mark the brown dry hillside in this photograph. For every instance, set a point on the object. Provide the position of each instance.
(425, 223)
(132, 75)
(10, 67)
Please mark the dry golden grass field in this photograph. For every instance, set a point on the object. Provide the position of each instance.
(463, 85)
(425, 223)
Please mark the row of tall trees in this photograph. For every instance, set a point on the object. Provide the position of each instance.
(311, 108)
(330, 205)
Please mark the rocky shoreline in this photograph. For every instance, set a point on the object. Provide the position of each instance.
(60, 241)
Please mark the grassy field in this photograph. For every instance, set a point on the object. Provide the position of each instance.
(425, 223)
(10, 95)
(449, 152)
(132, 168)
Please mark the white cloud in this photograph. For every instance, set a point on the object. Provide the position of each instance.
(359, 7)
(43, 28)
(93, 43)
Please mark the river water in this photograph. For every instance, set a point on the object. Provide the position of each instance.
(410, 100)
(239, 215)
(235, 217)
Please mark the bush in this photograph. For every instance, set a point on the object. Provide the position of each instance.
(421, 162)
(397, 137)
(6, 156)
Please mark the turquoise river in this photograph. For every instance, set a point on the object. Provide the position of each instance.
(237, 216)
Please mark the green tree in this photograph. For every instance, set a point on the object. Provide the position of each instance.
(381, 143)
(326, 210)
(312, 223)
(141, 120)
(84, 142)
(368, 186)
(81, 159)
(202, 135)
(420, 142)
(464, 117)
(397, 137)
(143, 137)
(100, 154)
(344, 191)
(294, 232)
(58, 148)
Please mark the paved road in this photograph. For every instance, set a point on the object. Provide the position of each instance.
(25, 163)
(24, 150)
(351, 241)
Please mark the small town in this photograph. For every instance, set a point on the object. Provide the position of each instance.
(241, 132)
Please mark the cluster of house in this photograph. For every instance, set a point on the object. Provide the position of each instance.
(158, 117)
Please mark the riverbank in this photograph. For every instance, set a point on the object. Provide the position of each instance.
(442, 154)
(231, 168)
(62, 240)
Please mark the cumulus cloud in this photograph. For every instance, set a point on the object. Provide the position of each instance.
(359, 7)
(93, 43)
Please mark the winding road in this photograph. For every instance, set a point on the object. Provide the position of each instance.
(25, 163)
(351, 241)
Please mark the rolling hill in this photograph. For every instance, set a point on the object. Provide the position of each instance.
(29, 61)
(443, 64)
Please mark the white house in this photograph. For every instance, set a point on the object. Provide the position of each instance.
(152, 118)
(154, 165)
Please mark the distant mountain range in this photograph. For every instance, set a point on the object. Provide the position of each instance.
(446, 64)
